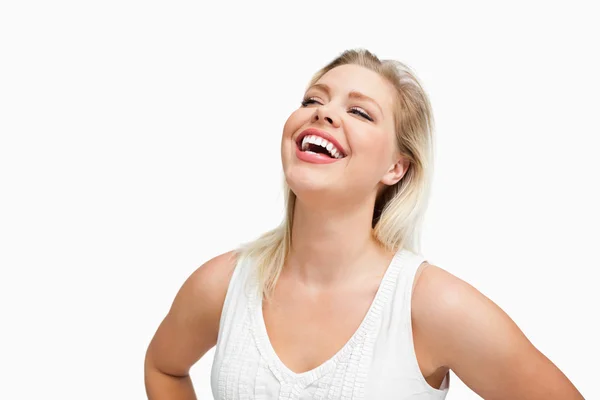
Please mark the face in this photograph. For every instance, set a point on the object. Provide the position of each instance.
(339, 142)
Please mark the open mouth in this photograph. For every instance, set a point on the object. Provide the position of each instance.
(318, 145)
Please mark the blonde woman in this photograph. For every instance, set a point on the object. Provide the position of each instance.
(338, 302)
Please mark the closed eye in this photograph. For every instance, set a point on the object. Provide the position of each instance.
(364, 115)
(356, 110)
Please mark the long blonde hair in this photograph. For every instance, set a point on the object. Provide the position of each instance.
(399, 209)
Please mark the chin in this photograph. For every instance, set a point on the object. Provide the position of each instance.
(307, 184)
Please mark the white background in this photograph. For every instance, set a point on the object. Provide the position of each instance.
(141, 138)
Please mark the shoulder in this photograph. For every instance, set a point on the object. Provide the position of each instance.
(434, 304)
(209, 281)
(202, 295)
(191, 326)
(434, 286)
(217, 270)
(467, 332)
(448, 311)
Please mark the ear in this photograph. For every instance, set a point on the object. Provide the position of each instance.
(395, 172)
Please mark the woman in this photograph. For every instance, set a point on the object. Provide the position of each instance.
(337, 302)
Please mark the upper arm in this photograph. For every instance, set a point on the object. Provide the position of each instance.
(191, 326)
(484, 347)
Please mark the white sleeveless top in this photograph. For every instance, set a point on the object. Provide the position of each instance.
(378, 362)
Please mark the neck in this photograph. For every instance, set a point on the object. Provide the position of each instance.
(333, 247)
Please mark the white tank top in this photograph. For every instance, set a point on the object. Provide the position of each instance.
(378, 362)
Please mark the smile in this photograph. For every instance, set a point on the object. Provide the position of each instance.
(316, 146)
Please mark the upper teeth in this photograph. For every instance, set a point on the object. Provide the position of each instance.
(319, 141)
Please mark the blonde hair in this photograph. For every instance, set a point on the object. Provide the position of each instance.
(399, 209)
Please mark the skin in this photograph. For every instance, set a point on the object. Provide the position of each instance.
(335, 266)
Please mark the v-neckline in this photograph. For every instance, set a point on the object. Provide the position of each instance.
(283, 372)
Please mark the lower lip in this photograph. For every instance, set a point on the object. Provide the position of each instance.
(315, 158)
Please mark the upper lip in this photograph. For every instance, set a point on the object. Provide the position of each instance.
(323, 134)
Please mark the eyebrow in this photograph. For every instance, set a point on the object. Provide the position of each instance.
(353, 94)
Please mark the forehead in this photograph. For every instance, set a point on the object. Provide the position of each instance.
(349, 77)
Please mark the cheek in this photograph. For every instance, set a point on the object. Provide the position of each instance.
(372, 152)
(293, 123)
(370, 143)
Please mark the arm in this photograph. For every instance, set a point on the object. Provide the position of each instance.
(188, 331)
(475, 338)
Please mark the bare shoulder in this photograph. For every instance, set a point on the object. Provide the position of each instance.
(439, 301)
(434, 285)
(209, 282)
(470, 334)
(444, 304)
(204, 290)
(191, 326)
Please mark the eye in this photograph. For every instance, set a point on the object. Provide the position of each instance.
(308, 101)
(355, 110)
(361, 113)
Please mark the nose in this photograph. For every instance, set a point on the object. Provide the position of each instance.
(325, 114)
